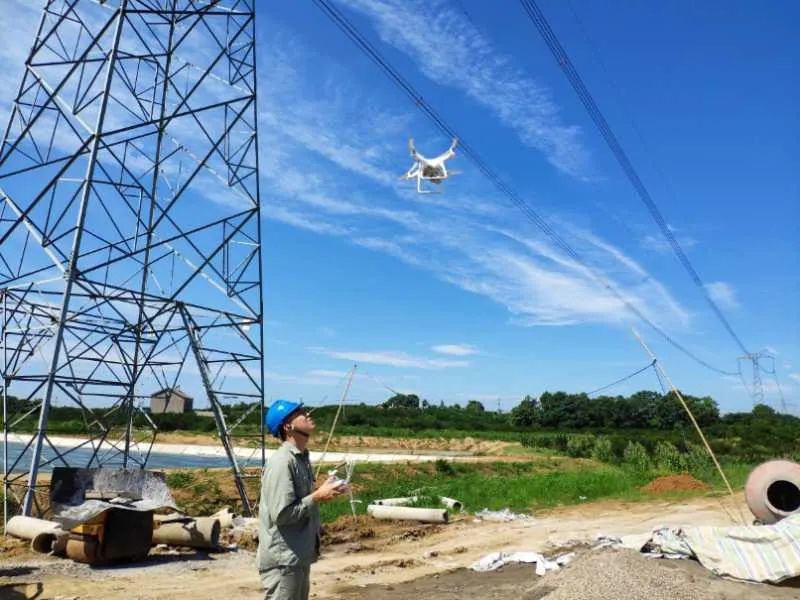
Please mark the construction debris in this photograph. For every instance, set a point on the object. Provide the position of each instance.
(108, 513)
(495, 560)
(501, 515)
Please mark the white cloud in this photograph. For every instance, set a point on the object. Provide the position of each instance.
(723, 294)
(795, 376)
(658, 244)
(17, 30)
(455, 236)
(455, 349)
(328, 373)
(287, 378)
(391, 358)
(450, 51)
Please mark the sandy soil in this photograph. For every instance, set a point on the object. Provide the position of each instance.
(397, 560)
(353, 442)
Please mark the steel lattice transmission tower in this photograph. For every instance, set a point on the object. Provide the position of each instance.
(130, 242)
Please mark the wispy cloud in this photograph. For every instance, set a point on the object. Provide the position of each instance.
(287, 378)
(723, 294)
(795, 376)
(658, 244)
(17, 30)
(327, 331)
(457, 236)
(449, 50)
(391, 358)
(328, 373)
(455, 349)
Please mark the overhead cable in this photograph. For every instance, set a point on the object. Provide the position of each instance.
(623, 379)
(429, 111)
(563, 60)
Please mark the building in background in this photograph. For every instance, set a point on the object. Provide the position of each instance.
(170, 400)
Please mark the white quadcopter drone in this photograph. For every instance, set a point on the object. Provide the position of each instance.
(429, 169)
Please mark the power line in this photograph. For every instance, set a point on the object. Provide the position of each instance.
(563, 60)
(429, 111)
(623, 379)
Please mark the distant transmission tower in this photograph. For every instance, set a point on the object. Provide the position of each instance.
(130, 242)
(757, 360)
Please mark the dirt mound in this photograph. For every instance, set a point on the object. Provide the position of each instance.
(675, 483)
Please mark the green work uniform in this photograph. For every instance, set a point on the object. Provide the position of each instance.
(289, 525)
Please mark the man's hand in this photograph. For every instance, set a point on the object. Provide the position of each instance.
(329, 490)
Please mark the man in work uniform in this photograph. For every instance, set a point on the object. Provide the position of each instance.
(289, 523)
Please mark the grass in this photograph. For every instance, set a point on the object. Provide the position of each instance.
(342, 429)
(521, 487)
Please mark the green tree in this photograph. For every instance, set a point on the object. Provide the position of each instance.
(762, 411)
(527, 413)
(402, 401)
(475, 406)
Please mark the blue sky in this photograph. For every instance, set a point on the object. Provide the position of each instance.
(456, 296)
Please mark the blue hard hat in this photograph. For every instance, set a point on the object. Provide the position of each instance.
(278, 412)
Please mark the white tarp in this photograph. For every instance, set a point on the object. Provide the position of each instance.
(495, 560)
(763, 553)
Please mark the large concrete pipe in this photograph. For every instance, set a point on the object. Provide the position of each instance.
(41, 533)
(225, 517)
(202, 532)
(772, 490)
(405, 513)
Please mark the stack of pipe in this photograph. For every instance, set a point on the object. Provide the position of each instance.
(45, 536)
(194, 532)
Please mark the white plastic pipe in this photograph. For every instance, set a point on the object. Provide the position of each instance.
(40, 532)
(405, 513)
(396, 501)
(202, 532)
(450, 503)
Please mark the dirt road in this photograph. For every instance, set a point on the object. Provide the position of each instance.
(397, 561)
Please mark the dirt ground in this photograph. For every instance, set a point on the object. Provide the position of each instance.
(467, 445)
(402, 560)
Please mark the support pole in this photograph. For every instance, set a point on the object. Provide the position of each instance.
(216, 408)
(663, 373)
(71, 274)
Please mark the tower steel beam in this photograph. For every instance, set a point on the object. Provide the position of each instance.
(130, 240)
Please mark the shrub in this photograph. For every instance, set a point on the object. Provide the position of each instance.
(602, 450)
(444, 467)
(636, 458)
(698, 462)
(580, 446)
(668, 458)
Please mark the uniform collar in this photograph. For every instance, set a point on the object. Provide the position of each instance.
(294, 449)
